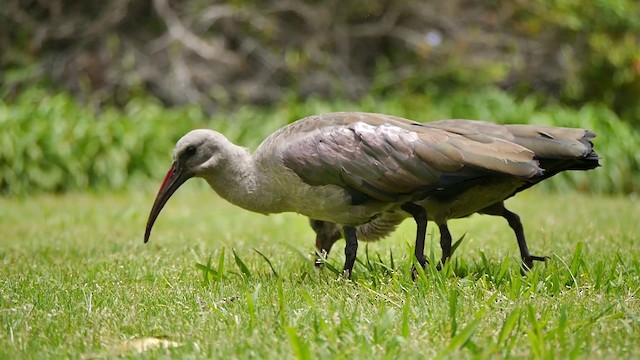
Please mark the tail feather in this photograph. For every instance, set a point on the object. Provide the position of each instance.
(588, 159)
(556, 148)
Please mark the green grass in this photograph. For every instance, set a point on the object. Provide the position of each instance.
(76, 281)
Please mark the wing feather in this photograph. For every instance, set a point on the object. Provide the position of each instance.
(387, 158)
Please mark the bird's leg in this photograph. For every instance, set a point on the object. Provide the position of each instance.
(514, 222)
(516, 225)
(420, 216)
(445, 244)
(350, 250)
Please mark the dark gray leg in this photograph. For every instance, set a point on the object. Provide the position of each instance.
(514, 222)
(420, 216)
(445, 244)
(350, 250)
(516, 225)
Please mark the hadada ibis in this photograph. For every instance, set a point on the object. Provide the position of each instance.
(361, 169)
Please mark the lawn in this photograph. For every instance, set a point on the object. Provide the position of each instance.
(77, 281)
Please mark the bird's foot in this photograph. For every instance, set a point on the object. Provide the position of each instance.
(414, 272)
(346, 274)
(527, 262)
(321, 258)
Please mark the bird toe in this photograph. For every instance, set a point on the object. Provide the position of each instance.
(527, 263)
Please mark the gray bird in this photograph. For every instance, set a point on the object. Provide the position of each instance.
(556, 148)
(354, 169)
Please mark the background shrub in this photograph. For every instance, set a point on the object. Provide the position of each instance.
(215, 53)
(52, 143)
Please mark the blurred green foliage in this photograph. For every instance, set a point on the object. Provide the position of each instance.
(604, 37)
(214, 54)
(53, 143)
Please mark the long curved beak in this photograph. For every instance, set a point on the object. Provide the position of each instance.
(175, 177)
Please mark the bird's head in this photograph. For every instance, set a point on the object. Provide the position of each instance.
(195, 154)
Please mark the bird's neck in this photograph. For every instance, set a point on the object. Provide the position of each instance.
(240, 182)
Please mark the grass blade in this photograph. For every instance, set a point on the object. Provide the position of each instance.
(282, 306)
(366, 253)
(457, 243)
(406, 312)
(464, 336)
(332, 268)
(453, 304)
(508, 325)
(485, 262)
(268, 262)
(220, 264)
(300, 348)
(386, 268)
(577, 258)
(534, 333)
(309, 264)
(207, 271)
(243, 267)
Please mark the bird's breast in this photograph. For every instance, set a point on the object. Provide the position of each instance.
(284, 191)
(333, 203)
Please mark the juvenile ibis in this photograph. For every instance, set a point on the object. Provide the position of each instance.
(353, 168)
(556, 148)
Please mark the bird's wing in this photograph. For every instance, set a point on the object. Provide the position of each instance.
(554, 142)
(485, 128)
(548, 142)
(387, 158)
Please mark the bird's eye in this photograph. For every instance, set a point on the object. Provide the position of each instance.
(190, 150)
